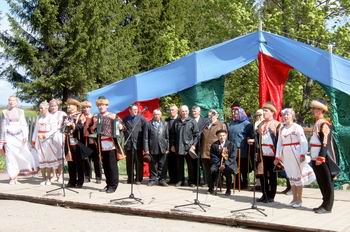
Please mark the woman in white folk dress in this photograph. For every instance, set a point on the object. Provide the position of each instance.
(14, 142)
(292, 150)
(59, 117)
(45, 129)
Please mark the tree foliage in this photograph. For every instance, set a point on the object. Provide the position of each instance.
(58, 48)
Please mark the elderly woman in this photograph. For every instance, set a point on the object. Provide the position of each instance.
(44, 132)
(240, 130)
(59, 116)
(14, 144)
(291, 152)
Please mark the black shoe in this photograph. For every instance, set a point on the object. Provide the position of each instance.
(228, 193)
(104, 189)
(151, 183)
(270, 200)
(192, 185)
(261, 199)
(87, 179)
(98, 181)
(211, 191)
(79, 186)
(322, 211)
(178, 184)
(110, 190)
(163, 183)
(70, 185)
(314, 209)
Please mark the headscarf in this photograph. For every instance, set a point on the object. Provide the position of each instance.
(242, 115)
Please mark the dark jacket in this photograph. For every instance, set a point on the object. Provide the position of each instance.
(186, 134)
(215, 155)
(170, 123)
(136, 139)
(156, 140)
(239, 133)
(202, 123)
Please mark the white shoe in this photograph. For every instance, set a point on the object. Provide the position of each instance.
(17, 182)
(48, 182)
(292, 203)
(296, 205)
(12, 182)
(43, 183)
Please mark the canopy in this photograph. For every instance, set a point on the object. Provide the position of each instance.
(220, 59)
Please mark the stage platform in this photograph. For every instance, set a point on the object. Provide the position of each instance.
(160, 202)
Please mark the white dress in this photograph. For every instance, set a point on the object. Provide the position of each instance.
(43, 140)
(291, 145)
(58, 139)
(13, 139)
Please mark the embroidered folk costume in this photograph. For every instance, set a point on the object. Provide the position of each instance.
(42, 140)
(322, 156)
(267, 131)
(104, 125)
(14, 143)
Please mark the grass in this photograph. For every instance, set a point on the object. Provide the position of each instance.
(2, 163)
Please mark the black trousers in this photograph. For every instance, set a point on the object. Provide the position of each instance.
(94, 157)
(172, 167)
(110, 168)
(269, 179)
(181, 168)
(157, 167)
(75, 167)
(243, 177)
(206, 164)
(138, 164)
(325, 183)
(214, 171)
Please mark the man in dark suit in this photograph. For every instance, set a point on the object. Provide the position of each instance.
(186, 134)
(223, 159)
(156, 144)
(172, 156)
(202, 123)
(134, 146)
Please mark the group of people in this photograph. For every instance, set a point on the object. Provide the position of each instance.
(220, 149)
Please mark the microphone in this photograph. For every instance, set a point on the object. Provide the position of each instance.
(144, 109)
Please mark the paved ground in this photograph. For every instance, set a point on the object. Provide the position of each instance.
(24, 216)
(160, 202)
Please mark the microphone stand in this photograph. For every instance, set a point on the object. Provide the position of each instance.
(253, 206)
(63, 185)
(131, 196)
(196, 201)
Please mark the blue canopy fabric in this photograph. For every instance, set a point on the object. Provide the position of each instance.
(223, 58)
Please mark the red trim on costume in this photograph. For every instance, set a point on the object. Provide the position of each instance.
(269, 145)
(290, 144)
(315, 145)
(321, 159)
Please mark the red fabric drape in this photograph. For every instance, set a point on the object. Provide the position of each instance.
(148, 114)
(273, 75)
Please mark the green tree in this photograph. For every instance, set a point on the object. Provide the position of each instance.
(59, 48)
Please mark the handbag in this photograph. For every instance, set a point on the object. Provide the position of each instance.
(332, 166)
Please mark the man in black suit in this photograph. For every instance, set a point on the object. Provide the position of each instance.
(172, 156)
(134, 146)
(223, 159)
(202, 123)
(156, 144)
(185, 137)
